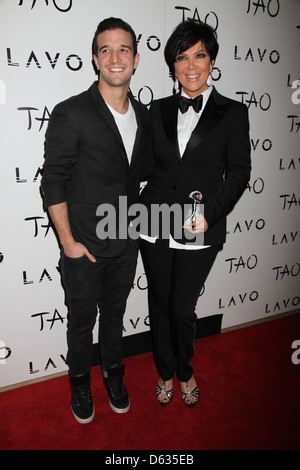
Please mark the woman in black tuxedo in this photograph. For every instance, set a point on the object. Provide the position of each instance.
(199, 141)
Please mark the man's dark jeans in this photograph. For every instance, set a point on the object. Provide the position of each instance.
(104, 285)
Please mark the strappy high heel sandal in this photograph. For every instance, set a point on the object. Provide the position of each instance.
(162, 391)
(194, 393)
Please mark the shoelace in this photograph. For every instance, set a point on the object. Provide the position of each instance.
(83, 394)
(116, 386)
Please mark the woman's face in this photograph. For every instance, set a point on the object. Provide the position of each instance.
(192, 69)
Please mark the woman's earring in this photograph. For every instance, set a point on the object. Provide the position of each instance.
(176, 86)
(209, 80)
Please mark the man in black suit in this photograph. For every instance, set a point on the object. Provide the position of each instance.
(93, 145)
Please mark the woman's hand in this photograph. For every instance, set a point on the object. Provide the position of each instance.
(200, 225)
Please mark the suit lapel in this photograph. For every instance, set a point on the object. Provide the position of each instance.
(169, 113)
(139, 128)
(108, 117)
(213, 112)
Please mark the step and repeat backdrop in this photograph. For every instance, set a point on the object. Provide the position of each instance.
(45, 57)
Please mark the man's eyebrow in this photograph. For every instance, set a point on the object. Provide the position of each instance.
(122, 45)
(127, 46)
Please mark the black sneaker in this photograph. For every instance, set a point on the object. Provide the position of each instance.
(82, 404)
(117, 393)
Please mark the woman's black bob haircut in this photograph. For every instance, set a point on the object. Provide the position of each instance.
(186, 35)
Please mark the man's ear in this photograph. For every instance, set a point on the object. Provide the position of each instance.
(136, 61)
(96, 61)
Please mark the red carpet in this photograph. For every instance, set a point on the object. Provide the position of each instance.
(250, 399)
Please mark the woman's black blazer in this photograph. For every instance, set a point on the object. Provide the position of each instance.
(216, 161)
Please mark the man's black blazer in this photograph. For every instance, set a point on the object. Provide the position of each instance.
(86, 165)
(216, 161)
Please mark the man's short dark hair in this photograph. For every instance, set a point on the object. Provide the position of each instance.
(110, 24)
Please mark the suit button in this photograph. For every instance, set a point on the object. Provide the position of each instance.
(175, 186)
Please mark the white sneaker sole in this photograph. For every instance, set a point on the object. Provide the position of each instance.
(119, 410)
(86, 420)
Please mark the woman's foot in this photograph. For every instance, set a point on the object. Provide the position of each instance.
(164, 391)
(189, 392)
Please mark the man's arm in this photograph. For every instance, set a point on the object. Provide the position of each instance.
(60, 219)
(62, 143)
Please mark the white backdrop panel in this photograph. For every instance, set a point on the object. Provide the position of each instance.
(45, 57)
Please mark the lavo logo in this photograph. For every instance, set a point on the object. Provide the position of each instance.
(73, 61)
(49, 363)
(296, 93)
